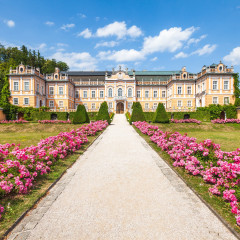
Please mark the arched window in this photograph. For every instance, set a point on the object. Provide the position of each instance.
(130, 92)
(120, 92)
(110, 92)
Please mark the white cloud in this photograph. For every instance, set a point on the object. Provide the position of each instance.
(123, 55)
(8, 44)
(233, 57)
(207, 49)
(181, 55)
(81, 15)
(67, 26)
(168, 40)
(85, 33)
(107, 44)
(49, 23)
(62, 45)
(154, 59)
(118, 29)
(76, 60)
(42, 46)
(195, 40)
(9, 23)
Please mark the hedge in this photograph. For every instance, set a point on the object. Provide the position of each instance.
(137, 113)
(48, 116)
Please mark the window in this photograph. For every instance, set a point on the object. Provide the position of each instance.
(155, 105)
(129, 105)
(42, 89)
(130, 92)
(189, 90)
(26, 86)
(146, 105)
(226, 100)
(16, 87)
(38, 88)
(56, 76)
(26, 101)
(203, 86)
(220, 68)
(76, 94)
(85, 105)
(199, 88)
(15, 101)
(179, 103)
(164, 104)
(110, 105)
(138, 93)
(51, 90)
(93, 105)
(51, 104)
(146, 94)
(215, 85)
(215, 100)
(189, 103)
(226, 85)
(155, 94)
(164, 94)
(93, 94)
(60, 90)
(184, 75)
(120, 92)
(21, 69)
(60, 103)
(110, 92)
(179, 90)
(85, 94)
(101, 94)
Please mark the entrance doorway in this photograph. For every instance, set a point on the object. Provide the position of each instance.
(120, 108)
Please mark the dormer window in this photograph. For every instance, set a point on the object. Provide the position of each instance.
(21, 69)
(56, 76)
(220, 68)
(184, 75)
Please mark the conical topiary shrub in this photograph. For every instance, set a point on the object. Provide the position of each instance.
(81, 115)
(137, 113)
(160, 116)
(103, 113)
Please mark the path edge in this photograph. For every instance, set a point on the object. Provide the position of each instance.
(46, 192)
(225, 223)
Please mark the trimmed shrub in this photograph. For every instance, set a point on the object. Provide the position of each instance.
(137, 113)
(160, 115)
(81, 115)
(103, 113)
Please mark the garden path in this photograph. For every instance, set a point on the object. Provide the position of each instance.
(121, 189)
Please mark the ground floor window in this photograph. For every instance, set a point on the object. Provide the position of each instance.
(215, 100)
(189, 103)
(226, 100)
(60, 103)
(155, 105)
(93, 105)
(110, 105)
(26, 101)
(146, 105)
(15, 101)
(179, 104)
(85, 105)
(51, 104)
(129, 105)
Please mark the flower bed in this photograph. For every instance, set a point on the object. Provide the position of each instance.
(54, 122)
(185, 121)
(13, 121)
(20, 168)
(206, 159)
(221, 121)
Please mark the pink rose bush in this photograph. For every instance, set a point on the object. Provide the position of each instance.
(206, 159)
(20, 168)
(185, 121)
(54, 122)
(222, 121)
(13, 121)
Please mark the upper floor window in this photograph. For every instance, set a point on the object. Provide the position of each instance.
(60, 90)
(226, 85)
(179, 90)
(76, 94)
(38, 88)
(42, 89)
(203, 86)
(120, 92)
(26, 86)
(215, 85)
(110, 92)
(163, 94)
(101, 94)
(146, 94)
(138, 93)
(93, 94)
(85, 94)
(130, 92)
(51, 90)
(155, 94)
(15, 86)
(189, 90)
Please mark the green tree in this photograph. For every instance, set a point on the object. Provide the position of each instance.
(81, 115)
(103, 113)
(160, 116)
(137, 113)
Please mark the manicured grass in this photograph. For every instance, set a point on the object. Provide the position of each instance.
(18, 204)
(196, 183)
(31, 133)
(227, 135)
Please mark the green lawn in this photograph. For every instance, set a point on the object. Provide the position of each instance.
(227, 135)
(31, 133)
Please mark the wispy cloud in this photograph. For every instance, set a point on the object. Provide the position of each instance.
(49, 23)
(81, 15)
(107, 44)
(233, 57)
(66, 27)
(9, 23)
(85, 33)
(154, 59)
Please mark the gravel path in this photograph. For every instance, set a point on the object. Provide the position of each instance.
(121, 189)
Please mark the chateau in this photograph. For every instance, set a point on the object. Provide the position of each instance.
(177, 90)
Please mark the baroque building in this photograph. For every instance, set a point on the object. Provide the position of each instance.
(177, 90)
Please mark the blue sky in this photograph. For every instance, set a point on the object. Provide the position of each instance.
(138, 34)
